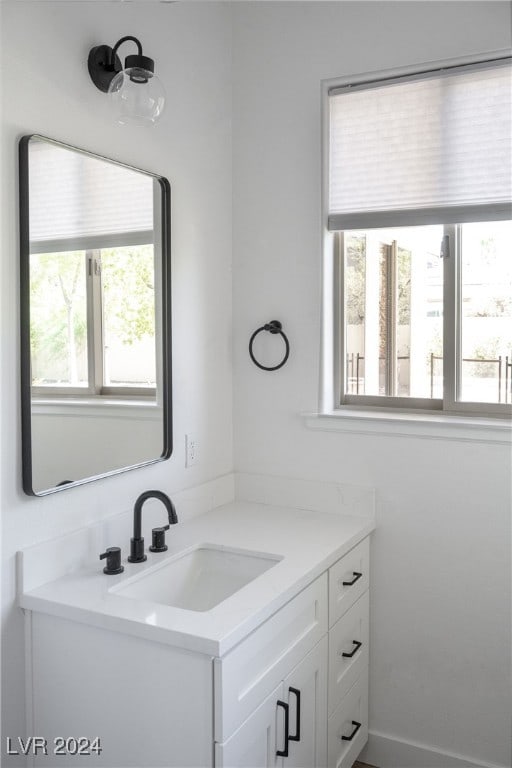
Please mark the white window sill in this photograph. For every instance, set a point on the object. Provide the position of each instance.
(106, 407)
(431, 426)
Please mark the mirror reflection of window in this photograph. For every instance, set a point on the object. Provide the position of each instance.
(58, 322)
(95, 337)
(128, 303)
(118, 287)
(92, 308)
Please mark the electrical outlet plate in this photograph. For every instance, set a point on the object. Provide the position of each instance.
(191, 450)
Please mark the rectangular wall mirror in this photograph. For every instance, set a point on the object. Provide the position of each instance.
(95, 316)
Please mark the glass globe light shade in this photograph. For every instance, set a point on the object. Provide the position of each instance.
(137, 96)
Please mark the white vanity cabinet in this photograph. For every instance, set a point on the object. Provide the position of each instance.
(292, 693)
(149, 704)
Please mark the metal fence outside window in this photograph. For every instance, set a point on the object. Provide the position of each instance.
(354, 373)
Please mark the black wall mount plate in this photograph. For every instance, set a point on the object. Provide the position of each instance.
(98, 64)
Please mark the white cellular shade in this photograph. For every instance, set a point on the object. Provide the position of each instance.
(74, 197)
(437, 146)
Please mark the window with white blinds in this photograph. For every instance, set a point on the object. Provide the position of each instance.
(423, 149)
(419, 215)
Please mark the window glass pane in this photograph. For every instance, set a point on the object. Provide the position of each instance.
(486, 312)
(58, 319)
(129, 316)
(393, 286)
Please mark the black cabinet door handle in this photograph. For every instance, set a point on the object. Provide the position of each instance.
(357, 727)
(357, 576)
(357, 646)
(285, 706)
(296, 736)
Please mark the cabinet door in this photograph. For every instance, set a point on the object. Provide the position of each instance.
(256, 743)
(306, 693)
(246, 675)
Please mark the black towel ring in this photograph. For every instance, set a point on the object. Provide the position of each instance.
(273, 327)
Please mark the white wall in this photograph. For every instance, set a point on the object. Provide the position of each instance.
(46, 89)
(86, 441)
(440, 659)
(440, 645)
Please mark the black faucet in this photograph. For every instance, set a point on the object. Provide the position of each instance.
(137, 542)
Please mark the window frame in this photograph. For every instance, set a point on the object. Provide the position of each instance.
(332, 396)
(452, 354)
(92, 247)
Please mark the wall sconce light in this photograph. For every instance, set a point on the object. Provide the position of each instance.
(136, 93)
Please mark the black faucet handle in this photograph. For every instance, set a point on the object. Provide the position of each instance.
(158, 539)
(113, 566)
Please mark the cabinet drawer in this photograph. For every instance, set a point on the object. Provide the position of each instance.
(348, 726)
(348, 579)
(349, 636)
(249, 673)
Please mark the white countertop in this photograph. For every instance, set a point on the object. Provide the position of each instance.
(308, 542)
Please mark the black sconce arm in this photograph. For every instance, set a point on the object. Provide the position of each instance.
(119, 43)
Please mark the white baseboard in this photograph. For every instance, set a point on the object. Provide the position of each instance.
(387, 752)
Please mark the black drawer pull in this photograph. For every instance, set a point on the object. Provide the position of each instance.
(357, 727)
(296, 737)
(357, 576)
(357, 646)
(285, 706)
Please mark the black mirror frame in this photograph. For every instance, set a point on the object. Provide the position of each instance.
(166, 345)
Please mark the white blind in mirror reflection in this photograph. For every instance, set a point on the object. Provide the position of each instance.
(76, 196)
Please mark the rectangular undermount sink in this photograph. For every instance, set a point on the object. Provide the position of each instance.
(199, 579)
